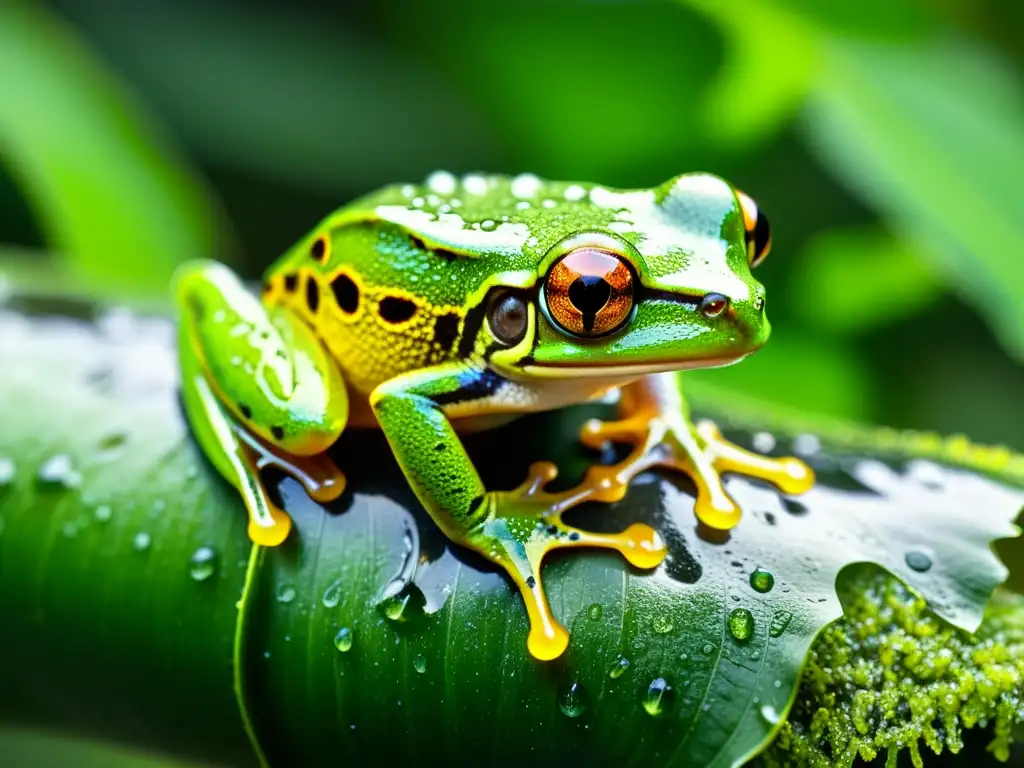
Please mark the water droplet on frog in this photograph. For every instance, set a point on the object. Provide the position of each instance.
(419, 663)
(918, 561)
(58, 472)
(572, 700)
(594, 612)
(8, 471)
(343, 640)
(662, 625)
(770, 715)
(141, 541)
(332, 595)
(658, 698)
(103, 513)
(488, 225)
(618, 668)
(285, 593)
(708, 648)
(741, 624)
(202, 564)
(762, 580)
(780, 620)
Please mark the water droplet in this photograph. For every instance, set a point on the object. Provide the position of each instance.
(659, 697)
(763, 442)
(285, 593)
(332, 595)
(741, 624)
(708, 648)
(780, 620)
(343, 640)
(488, 225)
(572, 700)
(806, 445)
(595, 611)
(8, 470)
(202, 564)
(770, 715)
(663, 625)
(419, 663)
(58, 472)
(918, 561)
(407, 603)
(618, 668)
(141, 541)
(762, 580)
(103, 513)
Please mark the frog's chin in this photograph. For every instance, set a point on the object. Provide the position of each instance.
(619, 370)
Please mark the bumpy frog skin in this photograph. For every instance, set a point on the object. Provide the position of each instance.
(431, 310)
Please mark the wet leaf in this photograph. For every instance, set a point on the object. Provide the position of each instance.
(674, 667)
(109, 193)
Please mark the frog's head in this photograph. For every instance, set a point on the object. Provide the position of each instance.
(658, 280)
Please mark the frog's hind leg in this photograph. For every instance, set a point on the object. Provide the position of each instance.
(656, 423)
(259, 390)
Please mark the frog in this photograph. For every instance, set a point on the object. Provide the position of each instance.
(433, 310)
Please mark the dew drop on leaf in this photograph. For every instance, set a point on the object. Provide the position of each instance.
(343, 640)
(103, 513)
(141, 541)
(419, 663)
(741, 624)
(202, 564)
(770, 715)
(594, 612)
(332, 595)
(762, 580)
(285, 593)
(618, 667)
(659, 697)
(572, 700)
(58, 472)
(918, 561)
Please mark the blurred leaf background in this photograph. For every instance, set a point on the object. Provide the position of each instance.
(884, 138)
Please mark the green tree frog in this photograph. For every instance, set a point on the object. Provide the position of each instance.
(435, 309)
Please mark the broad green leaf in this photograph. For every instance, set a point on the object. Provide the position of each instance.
(850, 281)
(796, 369)
(109, 504)
(932, 136)
(111, 196)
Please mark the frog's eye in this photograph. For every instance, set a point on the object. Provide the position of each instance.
(509, 318)
(589, 292)
(759, 232)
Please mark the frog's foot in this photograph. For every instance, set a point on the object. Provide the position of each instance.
(521, 526)
(662, 439)
(321, 478)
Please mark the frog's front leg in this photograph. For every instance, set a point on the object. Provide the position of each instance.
(259, 390)
(656, 422)
(514, 529)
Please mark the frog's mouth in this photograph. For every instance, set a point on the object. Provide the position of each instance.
(616, 370)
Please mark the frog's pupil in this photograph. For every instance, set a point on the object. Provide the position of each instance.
(589, 294)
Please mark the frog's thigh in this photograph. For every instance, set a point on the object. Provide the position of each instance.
(213, 428)
(655, 420)
(267, 368)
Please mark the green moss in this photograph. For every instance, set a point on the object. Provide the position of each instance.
(891, 676)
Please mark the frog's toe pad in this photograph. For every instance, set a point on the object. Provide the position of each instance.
(271, 535)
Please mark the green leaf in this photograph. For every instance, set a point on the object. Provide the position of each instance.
(110, 195)
(857, 280)
(932, 136)
(109, 502)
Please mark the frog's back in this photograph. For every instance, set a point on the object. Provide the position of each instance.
(397, 280)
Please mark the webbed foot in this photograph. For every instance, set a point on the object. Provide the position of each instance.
(520, 527)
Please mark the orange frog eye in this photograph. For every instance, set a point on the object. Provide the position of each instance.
(589, 292)
(759, 232)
